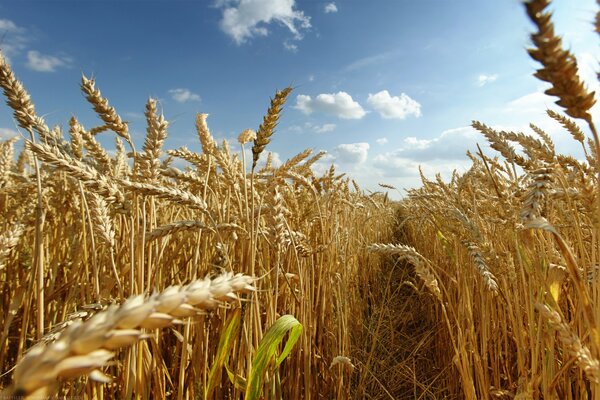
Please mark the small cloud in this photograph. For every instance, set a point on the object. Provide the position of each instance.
(450, 145)
(295, 129)
(352, 153)
(6, 133)
(290, 46)
(339, 104)
(382, 141)
(324, 128)
(484, 79)
(133, 115)
(371, 60)
(182, 95)
(311, 78)
(13, 39)
(244, 19)
(398, 107)
(308, 127)
(7, 25)
(39, 62)
(330, 8)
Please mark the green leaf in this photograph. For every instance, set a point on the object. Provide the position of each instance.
(267, 349)
(225, 342)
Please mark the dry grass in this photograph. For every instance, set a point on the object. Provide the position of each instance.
(513, 245)
(82, 230)
(489, 288)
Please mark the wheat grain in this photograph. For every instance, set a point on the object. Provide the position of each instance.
(83, 347)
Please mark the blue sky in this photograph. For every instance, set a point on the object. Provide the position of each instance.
(383, 86)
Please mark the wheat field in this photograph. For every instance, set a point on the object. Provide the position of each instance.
(125, 276)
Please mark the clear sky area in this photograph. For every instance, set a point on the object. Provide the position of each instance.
(384, 86)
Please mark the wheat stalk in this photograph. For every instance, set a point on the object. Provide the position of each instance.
(104, 110)
(265, 131)
(83, 347)
(572, 343)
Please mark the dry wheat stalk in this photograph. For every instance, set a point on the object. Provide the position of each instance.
(182, 226)
(559, 65)
(184, 153)
(500, 144)
(76, 138)
(265, 131)
(83, 347)
(104, 110)
(208, 142)
(532, 204)
(155, 137)
(18, 99)
(120, 165)
(569, 125)
(6, 160)
(90, 178)
(409, 254)
(8, 240)
(572, 343)
(175, 195)
(490, 281)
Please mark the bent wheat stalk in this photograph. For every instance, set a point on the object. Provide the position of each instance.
(86, 346)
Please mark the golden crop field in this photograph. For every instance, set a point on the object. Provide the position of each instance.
(125, 277)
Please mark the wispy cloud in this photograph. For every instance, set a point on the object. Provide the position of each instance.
(7, 25)
(14, 39)
(339, 104)
(288, 45)
(245, 19)
(310, 127)
(394, 107)
(382, 141)
(330, 8)
(182, 95)
(449, 147)
(39, 62)
(484, 79)
(6, 133)
(371, 60)
(324, 128)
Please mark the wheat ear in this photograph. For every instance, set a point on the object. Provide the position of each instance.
(411, 255)
(265, 131)
(559, 67)
(86, 346)
(104, 110)
(572, 343)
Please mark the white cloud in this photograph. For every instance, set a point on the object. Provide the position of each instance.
(352, 153)
(182, 95)
(7, 25)
(372, 60)
(45, 63)
(324, 128)
(311, 78)
(398, 107)
(245, 19)
(308, 126)
(13, 38)
(532, 103)
(339, 104)
(6, 133)
(290, 46)
(382, 141)
(450, 147)
(330, 8)
(484, 79)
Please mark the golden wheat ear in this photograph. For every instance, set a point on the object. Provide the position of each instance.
(559, 65)
(265, 131)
